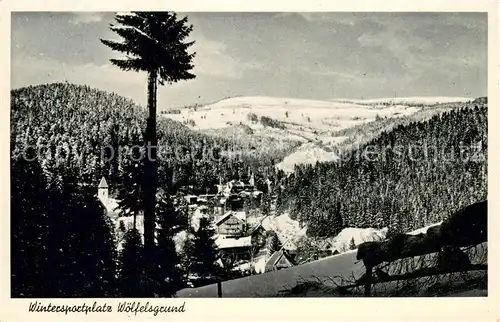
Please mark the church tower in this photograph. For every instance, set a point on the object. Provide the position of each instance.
(102, 191)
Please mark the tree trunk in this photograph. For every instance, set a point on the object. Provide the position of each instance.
(135, 212)
(150, 165)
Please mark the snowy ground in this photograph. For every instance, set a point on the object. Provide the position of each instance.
(423, 230)
(308, 153)
(272, 283)
(269, 284)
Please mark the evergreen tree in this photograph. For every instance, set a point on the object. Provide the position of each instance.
(337, 222)
(60, 233)
(121, 227)
(132, 277)
(164, 269)
(154, 43)
(266, 204)
(88, 250)
(130, 194)
(201, 254)
(114, 149)
(272, 243)
(30, 230)
(306, 251)
(352, 244)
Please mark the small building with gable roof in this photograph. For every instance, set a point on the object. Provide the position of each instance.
(279, 260)
(233, 223)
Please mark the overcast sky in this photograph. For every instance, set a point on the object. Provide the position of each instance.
(313, 55)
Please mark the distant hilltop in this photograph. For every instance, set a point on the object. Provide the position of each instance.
(416, 100)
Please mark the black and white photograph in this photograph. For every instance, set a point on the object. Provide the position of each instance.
(173, 154)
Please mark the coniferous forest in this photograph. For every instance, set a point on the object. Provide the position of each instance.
(86, 127)
(60, 139)
(410, 177)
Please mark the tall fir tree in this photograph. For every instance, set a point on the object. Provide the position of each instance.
(352, 244)
(155, 43)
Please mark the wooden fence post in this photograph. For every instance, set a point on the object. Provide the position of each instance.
(368, 280)
(219, 288)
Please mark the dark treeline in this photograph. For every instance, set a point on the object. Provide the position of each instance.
(389, 182)
(63, 244)
(83, 126)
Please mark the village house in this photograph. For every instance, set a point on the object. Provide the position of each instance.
(234, 249)
(258, 235)
(259, 232)
(279, 260)
(288, 244)
(234, 244)
(233, 223)
(232, 239)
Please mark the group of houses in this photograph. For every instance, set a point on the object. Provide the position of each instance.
(241, 231)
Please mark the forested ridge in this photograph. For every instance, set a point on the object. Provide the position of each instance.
(63, 117)
(390, 182)
(63, 244)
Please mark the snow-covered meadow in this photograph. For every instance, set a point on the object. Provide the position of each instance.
(313, 124)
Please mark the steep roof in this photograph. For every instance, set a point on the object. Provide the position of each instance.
(287, 243)
(240, 215)
(276, 257)
(103, 183)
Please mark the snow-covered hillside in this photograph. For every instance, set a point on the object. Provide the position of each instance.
(416, 100)
(286, 228)
(342, 241)
(295, 114)
(271, 283)
(308, 153)
(268, 123)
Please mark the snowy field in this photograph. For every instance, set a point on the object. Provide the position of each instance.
(319, 115)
